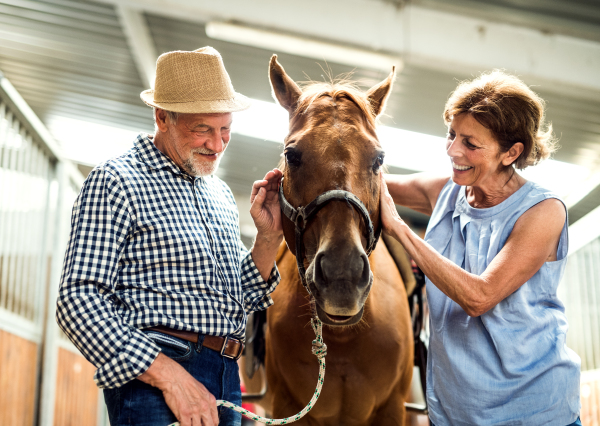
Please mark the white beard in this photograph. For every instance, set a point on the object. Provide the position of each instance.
(201, 168)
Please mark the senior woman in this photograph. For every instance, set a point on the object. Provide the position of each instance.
(494, 252)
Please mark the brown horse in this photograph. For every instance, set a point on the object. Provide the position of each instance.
(332, 145)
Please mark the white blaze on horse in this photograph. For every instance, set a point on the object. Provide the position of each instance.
(333, 159)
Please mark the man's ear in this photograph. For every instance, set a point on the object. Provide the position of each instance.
(161, 117)
(513, 153)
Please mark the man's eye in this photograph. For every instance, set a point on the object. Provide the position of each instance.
(450, 135)
(293, 158)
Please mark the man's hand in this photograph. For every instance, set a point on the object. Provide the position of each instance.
(266, 213)
(187, 398)
(264, 200)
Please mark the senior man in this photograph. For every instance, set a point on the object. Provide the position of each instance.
(156, 283)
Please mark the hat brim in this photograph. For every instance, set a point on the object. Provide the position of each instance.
(238, 103)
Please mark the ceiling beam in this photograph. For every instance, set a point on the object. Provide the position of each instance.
(423, 36)
(140, 42)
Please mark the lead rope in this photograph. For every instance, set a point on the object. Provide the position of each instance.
(319, 349)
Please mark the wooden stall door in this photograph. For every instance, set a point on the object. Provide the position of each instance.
(18, 360)
(590, 398)
(76, 393)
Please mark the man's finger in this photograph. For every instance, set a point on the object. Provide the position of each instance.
(256, 188)
(214, 414)
(258, 200)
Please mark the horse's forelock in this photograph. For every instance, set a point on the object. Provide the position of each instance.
(336, 89)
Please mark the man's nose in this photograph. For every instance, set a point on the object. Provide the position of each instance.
(217, 142)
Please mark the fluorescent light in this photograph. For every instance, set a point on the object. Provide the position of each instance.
(91, 143)
(300, 46)
(263, 120)
(408, 150)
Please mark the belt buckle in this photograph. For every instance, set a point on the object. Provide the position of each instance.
(236, 357)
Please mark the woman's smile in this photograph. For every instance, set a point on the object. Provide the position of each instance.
(460, 168)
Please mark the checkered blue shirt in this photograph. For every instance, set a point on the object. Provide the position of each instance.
(151, 245)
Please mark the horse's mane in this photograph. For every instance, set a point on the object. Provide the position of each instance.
(336, 88)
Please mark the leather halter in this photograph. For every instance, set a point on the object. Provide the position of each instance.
(302, 215)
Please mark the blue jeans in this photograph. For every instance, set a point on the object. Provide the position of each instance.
(577, 423)
(137, 403)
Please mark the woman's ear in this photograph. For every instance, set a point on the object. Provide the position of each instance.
(513, 153)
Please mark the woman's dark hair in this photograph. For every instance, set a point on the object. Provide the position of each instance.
(510, 110)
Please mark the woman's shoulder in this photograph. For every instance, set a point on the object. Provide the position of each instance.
(541, 200)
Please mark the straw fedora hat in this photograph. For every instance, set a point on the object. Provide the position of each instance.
(193, 82)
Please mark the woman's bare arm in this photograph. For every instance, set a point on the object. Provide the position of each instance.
(533, 241)
(417, 191)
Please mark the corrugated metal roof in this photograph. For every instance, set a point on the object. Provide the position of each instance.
(70, 58)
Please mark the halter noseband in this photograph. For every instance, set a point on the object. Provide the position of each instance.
(302, 215)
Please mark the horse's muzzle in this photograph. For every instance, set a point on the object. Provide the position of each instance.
(340, 285)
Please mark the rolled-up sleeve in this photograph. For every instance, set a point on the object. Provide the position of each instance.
(86, 311)
(256, 290)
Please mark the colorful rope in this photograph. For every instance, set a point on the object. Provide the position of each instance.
(319, 349)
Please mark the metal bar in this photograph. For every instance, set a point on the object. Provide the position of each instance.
(14, 227)
(51, 335)
(594, 302)
(18, 106)
(46, 230)
(47, 220)
(7, 264)
(22, 222)
(32, 235)
(3, 175)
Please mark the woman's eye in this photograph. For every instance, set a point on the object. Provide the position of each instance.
(450, 136)
(293, 158)
(469, 144)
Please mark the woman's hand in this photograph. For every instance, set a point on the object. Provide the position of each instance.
(390, 219)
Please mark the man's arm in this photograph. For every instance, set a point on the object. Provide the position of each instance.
(85, 308)
(258, 270)
(86, 313)
(266, 213)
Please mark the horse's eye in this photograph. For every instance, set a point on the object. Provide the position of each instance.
(293, 158)
(378, 163)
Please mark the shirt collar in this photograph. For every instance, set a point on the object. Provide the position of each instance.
(153, 157)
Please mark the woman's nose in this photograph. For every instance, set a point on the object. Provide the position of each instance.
(452, 148)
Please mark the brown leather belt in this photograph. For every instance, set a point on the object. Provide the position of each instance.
(228, 347)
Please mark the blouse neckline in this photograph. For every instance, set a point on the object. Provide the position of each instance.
(463, 206)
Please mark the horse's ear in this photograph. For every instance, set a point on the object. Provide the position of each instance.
(378, 94)
(285, 90)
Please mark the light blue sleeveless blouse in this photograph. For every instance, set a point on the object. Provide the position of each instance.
(511, 365)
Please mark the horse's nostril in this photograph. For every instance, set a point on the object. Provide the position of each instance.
(366, 272)
(342, 267)
(319, 279)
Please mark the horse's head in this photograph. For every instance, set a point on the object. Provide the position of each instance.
(332, 145)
